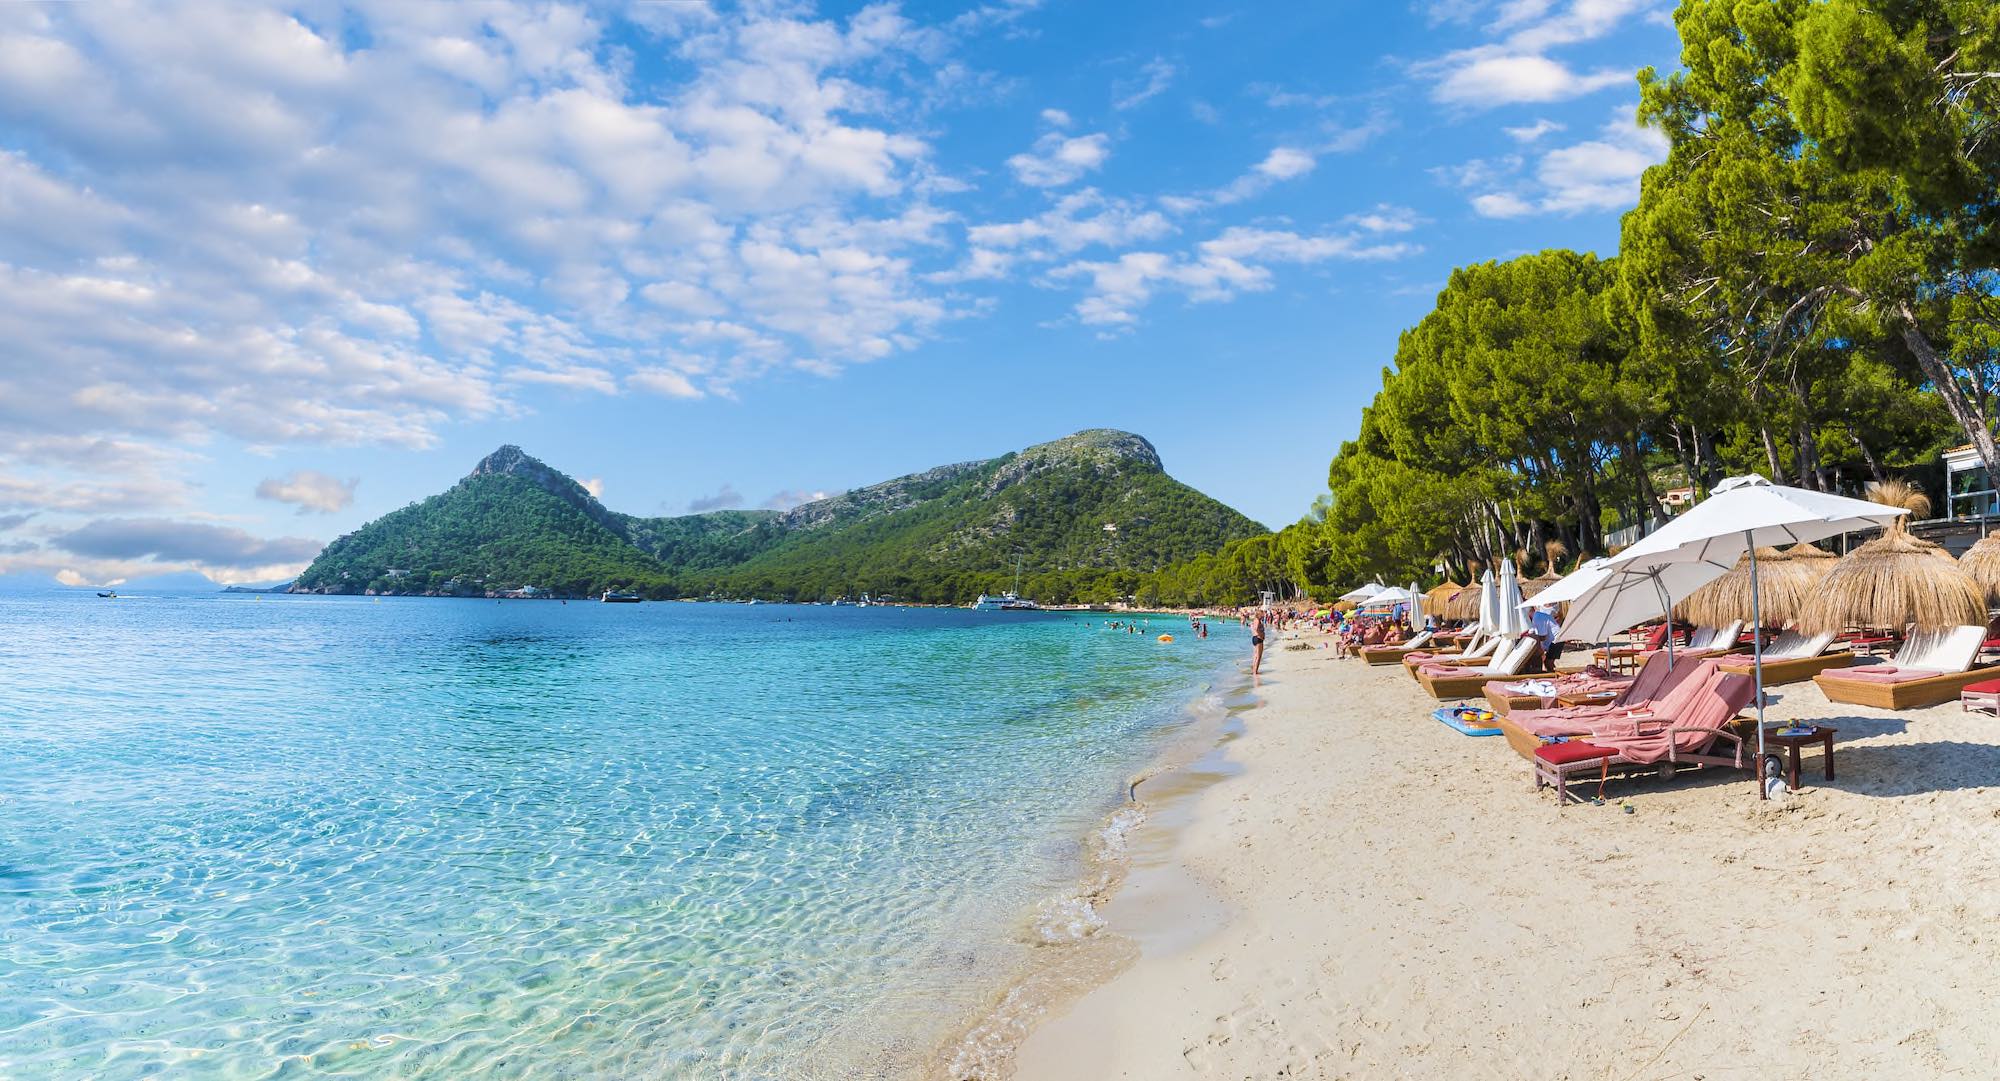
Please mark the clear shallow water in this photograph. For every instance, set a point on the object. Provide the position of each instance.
(291, 836)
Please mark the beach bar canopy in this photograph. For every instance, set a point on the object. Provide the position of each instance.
(1741, 515)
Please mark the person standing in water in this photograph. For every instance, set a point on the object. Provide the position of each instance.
(1255, 621)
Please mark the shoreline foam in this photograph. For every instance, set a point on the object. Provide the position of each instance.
(1074, 953)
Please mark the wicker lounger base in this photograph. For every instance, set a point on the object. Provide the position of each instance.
(1779, 673)
(1914, 694)
(1387, 654)
(1470, 685)
(1504, 703)
(1452, 659)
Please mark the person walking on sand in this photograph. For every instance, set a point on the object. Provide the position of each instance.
(1255, 621)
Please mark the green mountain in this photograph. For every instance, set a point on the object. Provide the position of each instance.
(946, 534)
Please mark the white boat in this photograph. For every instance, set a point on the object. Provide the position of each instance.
(1010, 601)
(1005, 602)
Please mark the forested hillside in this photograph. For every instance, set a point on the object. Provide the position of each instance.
(1089, 517)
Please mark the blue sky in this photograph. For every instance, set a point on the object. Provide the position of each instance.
(267, 272)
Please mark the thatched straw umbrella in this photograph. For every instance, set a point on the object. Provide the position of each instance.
(1438, 597)
(1808, 561)
(1463, 605)
(1727, 599)
(1893, 580)
(1532, 586)
(1982, 562)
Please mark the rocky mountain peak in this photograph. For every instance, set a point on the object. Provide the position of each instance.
(512, 461)
(1102, 451)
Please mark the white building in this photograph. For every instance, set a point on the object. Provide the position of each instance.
(1972, 491)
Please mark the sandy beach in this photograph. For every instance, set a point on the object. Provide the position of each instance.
(1352, 890)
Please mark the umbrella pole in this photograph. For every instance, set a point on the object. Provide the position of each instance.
(1667, 603)
(1757, 655)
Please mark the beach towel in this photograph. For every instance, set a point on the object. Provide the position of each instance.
(1672, 693)
(1720, 697)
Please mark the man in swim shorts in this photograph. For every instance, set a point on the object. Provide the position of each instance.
(1257, 629)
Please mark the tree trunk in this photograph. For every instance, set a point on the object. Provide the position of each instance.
(1643, 482)
(1771, 453)
(1867, 455)
(1970, 417)
(1700, 480)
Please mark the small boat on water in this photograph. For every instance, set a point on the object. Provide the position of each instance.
(1010, 601)
(107, 593)
(1005, 602)
(619, 596)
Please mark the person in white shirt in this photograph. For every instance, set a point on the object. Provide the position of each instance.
(1543, 626)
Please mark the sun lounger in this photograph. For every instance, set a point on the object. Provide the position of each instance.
(1704, 642)
(1506, 697)
(1689, 736)
(1659, 687)
(1392, 654)
(1503, 701)
(1655, 639)
(1460, 681)
(1461, 636)
(1791, 658)
(1931, 668)
(1476, 655)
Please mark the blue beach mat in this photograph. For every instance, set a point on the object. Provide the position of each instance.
(1449, 715)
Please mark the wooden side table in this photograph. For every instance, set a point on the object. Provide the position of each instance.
(1820, 735)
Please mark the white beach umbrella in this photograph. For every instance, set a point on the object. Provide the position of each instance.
(1361, 593)
(1741, 515)
(1508, 602)
(1572, 585)
(1619, 598)
(1489, 604)
(1416, 606)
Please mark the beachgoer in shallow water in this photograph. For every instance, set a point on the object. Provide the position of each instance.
(1257, 630)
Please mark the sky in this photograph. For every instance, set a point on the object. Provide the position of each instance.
(270, 271)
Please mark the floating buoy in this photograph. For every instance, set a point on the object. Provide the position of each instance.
(1166, 638)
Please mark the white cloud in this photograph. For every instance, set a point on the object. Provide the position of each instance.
(1501, 204)
(234, 223)
(793, 497)
(1281, 164)
(1533, 132)
(1154, 78)
(665, 382)
(1286, 162)
(1489, 81)
(309, 490)
(1235, 261)
(1603, 173)
(595, 486)
(1057, 159)
(1055, 118)
(1600, 174)
(1080, 219)
(1478, 172)
(1385, 218)
(1516, 68)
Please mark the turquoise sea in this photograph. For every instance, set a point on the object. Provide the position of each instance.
(272, 836)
